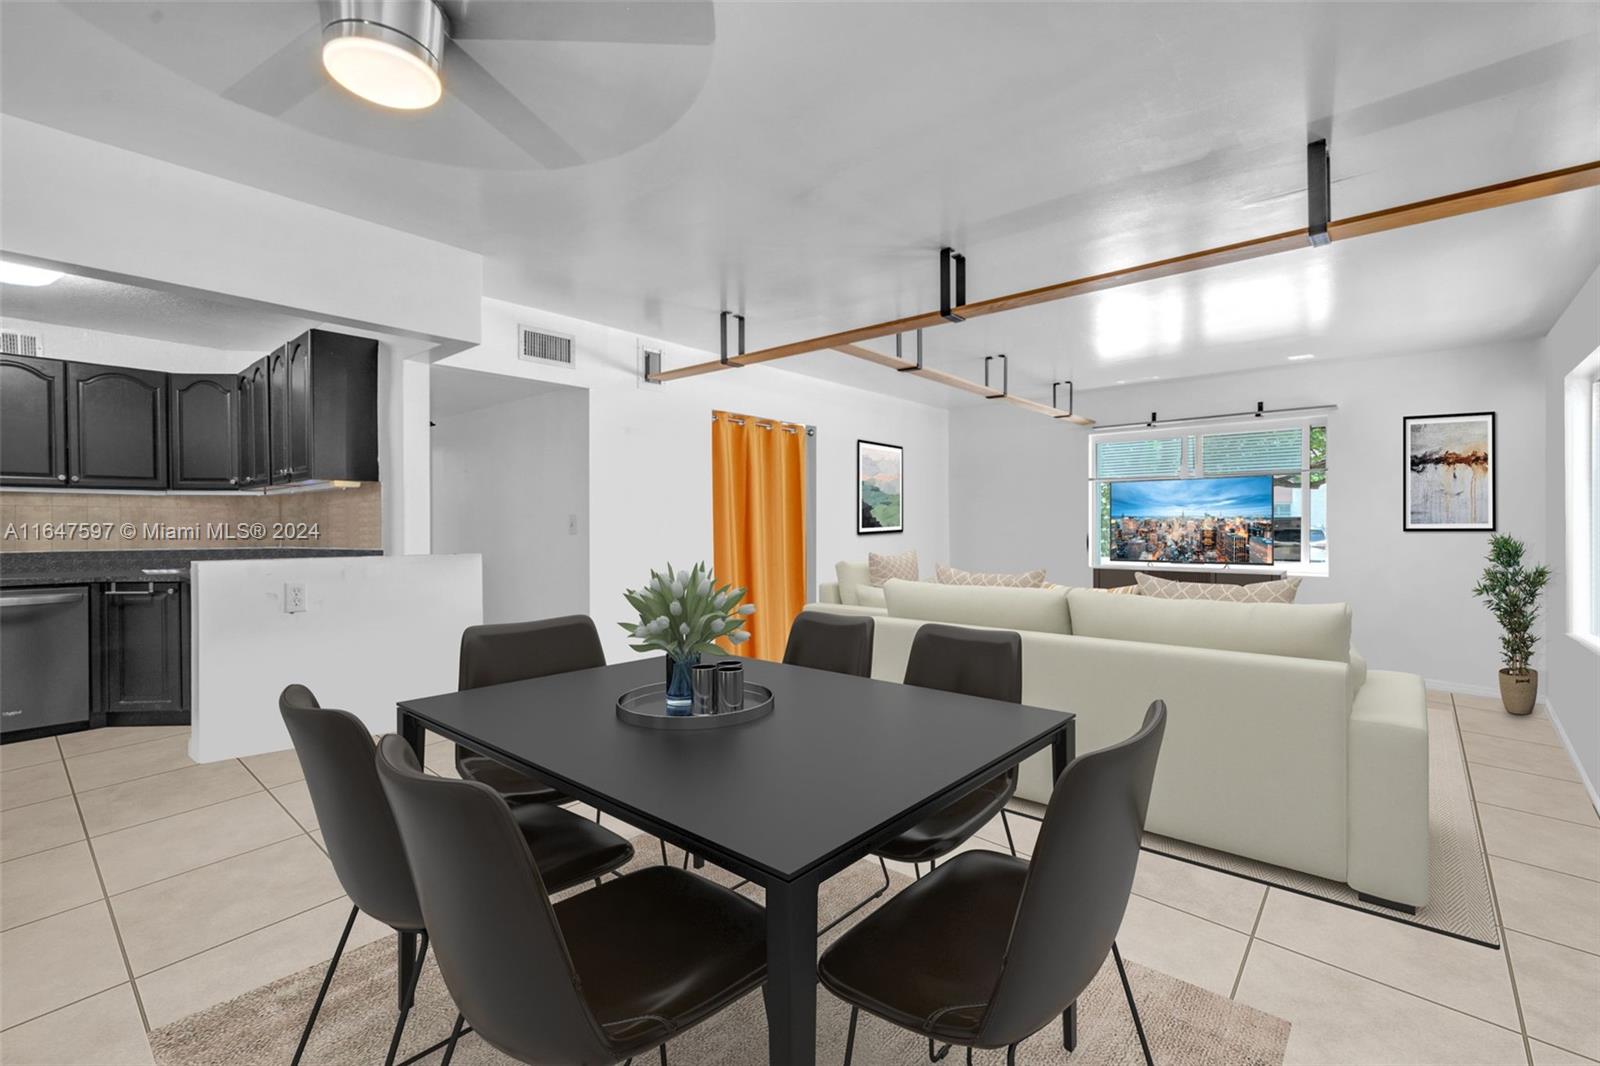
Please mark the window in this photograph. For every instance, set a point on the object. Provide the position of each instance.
(1293, 454)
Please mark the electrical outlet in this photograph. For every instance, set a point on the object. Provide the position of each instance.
(572, 524)
(294, 598)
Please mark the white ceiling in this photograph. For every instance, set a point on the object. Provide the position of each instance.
(456, 390)
(833, 148)
(182, 318)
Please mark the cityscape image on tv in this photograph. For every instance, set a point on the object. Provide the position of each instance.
(1193, 520)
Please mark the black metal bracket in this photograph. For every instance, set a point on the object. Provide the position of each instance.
(1319, 192)
(1261, 408)
(652, 366)
(1055, 385)
(1153, 419)
(897, 355)
(1005, 376)
(952, 263)
(725, 316)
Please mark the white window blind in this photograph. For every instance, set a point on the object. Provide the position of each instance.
(1156, 457)
(1245, 453)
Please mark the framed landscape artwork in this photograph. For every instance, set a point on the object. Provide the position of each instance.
(880, 490)
(1449, 474)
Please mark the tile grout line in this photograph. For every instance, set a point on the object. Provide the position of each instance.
(1248, 944)
(1552, 943)
(1494, 895)
(241, 936)
(64, 1006)
(1536, 866)
(128, 781)
(118, 747)
(1518, 769)
(105, 898)
(300, 825)
(174, 814)
(1540, 814)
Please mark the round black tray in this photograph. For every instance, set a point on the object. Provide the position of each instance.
(647, 707)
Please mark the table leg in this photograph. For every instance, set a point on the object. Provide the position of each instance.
(791, 990)
(411, 731)
(1060, 754)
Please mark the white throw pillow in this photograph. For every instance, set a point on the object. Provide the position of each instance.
(949, 575)
(1260, 592)
(885, 568)
(851, 577)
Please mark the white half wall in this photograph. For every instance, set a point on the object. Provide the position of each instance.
(511, 484)
(650, 453)
(1018, 484)
(376, 630)
(1571, 678)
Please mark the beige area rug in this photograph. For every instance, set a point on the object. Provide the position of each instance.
(1186, 1024)
(1460, 901)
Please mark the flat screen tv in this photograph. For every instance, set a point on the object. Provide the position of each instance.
(1217, 520)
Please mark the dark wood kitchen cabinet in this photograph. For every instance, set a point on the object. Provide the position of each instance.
(144, 668)
(204, 412)
(116, 427)
(33, 421)
(324, 408)
(255, 425)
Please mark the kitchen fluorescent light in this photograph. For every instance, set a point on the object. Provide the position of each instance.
(1298, 358)
(19, 274)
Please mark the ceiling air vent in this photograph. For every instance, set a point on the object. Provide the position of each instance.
(539, 347)
(14, 343)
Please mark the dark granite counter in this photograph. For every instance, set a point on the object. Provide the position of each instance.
(89, 567)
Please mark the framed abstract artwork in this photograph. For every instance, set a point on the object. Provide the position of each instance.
(1449, 476)
(880, 488)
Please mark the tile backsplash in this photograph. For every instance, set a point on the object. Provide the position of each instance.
(85, 521)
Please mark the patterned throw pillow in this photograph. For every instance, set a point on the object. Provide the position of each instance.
(882, 568)
(1261, 592)
(949, 575)
(1123, 590)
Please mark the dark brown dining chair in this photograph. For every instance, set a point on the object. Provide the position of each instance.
(596, 978)
(358, 828)
(518, 651)
(973, 662)
(988, 949)
(822, 640)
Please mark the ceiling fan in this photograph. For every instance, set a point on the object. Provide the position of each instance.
(566, 82)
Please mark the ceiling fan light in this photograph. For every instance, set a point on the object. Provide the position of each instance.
(385, 65)
(23, 274)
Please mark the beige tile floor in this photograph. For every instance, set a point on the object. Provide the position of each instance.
(137, 887)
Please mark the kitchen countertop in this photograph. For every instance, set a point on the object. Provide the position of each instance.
(22, 569)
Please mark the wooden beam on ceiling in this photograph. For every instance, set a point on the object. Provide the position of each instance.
(1520, 190)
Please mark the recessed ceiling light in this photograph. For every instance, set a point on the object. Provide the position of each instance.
(20, 274)
(1298, 358)
(394, 63)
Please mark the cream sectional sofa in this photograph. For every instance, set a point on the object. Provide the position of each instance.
(1280, 745)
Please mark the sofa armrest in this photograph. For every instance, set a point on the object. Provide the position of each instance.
(1389, 788)
(828, 592)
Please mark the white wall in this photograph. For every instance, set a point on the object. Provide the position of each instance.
(1571, 679)
(376, 630)
(650, 454)
(1018, 488)
(506, 480)
(119, 215)
(120, 349)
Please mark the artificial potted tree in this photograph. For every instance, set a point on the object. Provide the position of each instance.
(1512, 591)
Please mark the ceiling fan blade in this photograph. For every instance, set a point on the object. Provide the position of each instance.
(609, 21)
(475, 87)
(284, 78)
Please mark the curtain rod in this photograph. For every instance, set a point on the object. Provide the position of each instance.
(1261, 411)
(786, 427)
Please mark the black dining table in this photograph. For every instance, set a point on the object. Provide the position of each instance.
(842, 765)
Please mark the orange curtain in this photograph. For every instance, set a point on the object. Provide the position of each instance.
(758, 518)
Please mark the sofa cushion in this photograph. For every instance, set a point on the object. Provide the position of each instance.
(871, 596)
(1038, 610)
(881, 569)
(1260, 592)
(1305, 631)
(949, 575)
(851, 577)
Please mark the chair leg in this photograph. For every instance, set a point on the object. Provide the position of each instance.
(880, 891)
(1133, 1008)
(664, 860)
(1011, 1055)
(935, 1056)
(450, 1048)
(1010, 843)
(850, 1036)
(1069, 1028)
(409, 998)
(327, 980)
(663, 1055)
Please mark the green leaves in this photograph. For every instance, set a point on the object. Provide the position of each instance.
(683, 612)
(1512, 591)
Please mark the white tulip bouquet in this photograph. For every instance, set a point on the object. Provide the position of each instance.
(685, 613)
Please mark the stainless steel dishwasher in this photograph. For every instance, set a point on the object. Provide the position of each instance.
(44, 658)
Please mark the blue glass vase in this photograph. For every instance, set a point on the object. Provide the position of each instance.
(680, 690)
